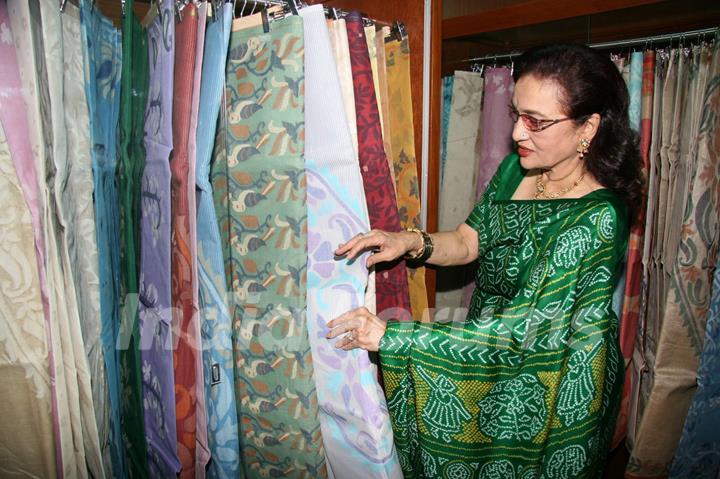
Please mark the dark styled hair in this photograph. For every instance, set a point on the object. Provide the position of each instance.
(591, 83)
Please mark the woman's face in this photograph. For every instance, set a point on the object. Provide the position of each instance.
(557, 144)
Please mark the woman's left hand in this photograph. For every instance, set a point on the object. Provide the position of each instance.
(364, 330)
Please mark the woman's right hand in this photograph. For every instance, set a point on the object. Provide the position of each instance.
(386, 246)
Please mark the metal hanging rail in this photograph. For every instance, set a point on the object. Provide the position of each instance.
(292, 6)
(681, 36)
(331, 12)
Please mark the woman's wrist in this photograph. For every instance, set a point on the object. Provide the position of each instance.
(414, 242)
(419, 253)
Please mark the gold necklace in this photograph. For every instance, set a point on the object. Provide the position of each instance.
(540, 188)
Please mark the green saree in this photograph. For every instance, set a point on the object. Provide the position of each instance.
(528, 385)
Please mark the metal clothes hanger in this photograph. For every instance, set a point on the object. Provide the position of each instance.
(293, 6)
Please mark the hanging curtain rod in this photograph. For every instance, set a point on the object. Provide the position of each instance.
(613, 44)
(398, 27)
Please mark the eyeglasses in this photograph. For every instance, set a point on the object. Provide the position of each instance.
(531, 123)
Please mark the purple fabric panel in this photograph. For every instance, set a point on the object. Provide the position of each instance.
(155, 294)
(497, 125)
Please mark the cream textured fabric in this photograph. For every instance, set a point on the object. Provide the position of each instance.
(457, 193)
(341, 52)
(77, 198)
(80, 402)
(37, 31)
(26, 438)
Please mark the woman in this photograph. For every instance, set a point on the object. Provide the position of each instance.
(529, 385)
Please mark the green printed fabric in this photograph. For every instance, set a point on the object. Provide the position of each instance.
(529, 384)
(133, 96)
(267, 224)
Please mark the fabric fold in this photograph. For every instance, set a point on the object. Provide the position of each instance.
(353, 415)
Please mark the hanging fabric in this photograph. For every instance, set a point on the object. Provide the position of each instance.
(402, 146)
(682, 158)
(495, 138)
(383, 97)
(155, 252)
(57, 161)
(102, 53)
(79, 379)
(496, 141)
(698, 454)
(447, 88)
(647, 332)
(82, 243)
(185, 333)
(457, 196)
(133, 100)
(391, 284)
(219, 178)
(214, 314)
(202, 450)
(631, 303)
(635, 86)
(380, 90)
(686, 261)
(341, 51)
(353, 415)
(29, 440)
(33, 24)
(276, 394)
(676, 86)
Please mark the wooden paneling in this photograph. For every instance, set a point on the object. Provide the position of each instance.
(458, 8)
(530, 12)
(433, 193)
(647, 20)
(113, 10)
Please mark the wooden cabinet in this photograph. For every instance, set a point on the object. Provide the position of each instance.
(514, 25)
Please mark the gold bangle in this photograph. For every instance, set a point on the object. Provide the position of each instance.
(420, 251)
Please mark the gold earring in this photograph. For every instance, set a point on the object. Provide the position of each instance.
(583, 147)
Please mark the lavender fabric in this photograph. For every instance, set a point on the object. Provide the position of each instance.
(155, 297)
(497, 126)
